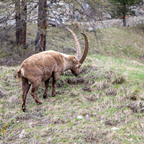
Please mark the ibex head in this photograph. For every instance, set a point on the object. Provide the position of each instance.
(77, 61)
(75, 66)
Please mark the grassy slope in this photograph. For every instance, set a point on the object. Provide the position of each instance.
(108, 94)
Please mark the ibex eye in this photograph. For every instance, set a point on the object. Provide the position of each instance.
(74, 60)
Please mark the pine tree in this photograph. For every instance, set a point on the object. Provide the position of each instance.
(123, 7)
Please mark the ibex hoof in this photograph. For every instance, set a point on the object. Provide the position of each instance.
(53, 95)
(44, 96)
(23, 109)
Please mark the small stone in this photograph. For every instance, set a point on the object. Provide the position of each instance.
(114, 128)
(79, 117)
(87, 116)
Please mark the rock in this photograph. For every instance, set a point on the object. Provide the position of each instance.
(90, 29)
(114, 128)
(79, 117)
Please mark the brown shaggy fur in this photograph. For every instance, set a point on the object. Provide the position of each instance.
(43, 66)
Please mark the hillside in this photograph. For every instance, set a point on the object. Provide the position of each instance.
(119, 42)
(104, 104)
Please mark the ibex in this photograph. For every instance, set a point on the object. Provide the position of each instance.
(49, 64)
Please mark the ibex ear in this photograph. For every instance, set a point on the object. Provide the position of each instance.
(74, 60)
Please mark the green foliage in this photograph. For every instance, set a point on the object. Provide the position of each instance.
(123, 7)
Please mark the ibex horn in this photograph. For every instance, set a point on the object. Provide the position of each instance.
(86, 49)
(78, 47)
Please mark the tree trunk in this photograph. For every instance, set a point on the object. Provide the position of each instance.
(124, 14)
(124, 21)
(17, 18)
(20, 17)
(40, 42)
(23, 22)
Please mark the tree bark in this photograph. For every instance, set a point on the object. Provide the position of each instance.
(40, 42)
(20, 17)
(124, 14)
(17, 18)
(23, 22)
(124, 21)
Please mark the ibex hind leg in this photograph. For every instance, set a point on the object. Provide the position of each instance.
(46, 83)
(55, 78)
(25, 89)
(35, 86)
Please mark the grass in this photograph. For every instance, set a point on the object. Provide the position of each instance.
(119, 42)
(109, 104)
(107, 95)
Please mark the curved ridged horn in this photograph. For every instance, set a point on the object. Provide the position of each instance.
(86, 49)
(78, 47)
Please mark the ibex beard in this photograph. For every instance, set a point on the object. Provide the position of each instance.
(42, 66)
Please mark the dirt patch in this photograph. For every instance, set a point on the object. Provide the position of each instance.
(47, 133)
(58, 121)
(111, 91)
(134, 98)
(90, 82)
(136, 107)
(74, 93)
(88, 68)
(53, 120)
(92, 138)
(87, 88)
(109, 74)
(114, 78)
(93, 97)
(111, 122)
(22, 118)
(118, 80)
(60, 83)
(101, 85)
(75, 81)
(93, 76)
(60, 92)
(132, 95)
